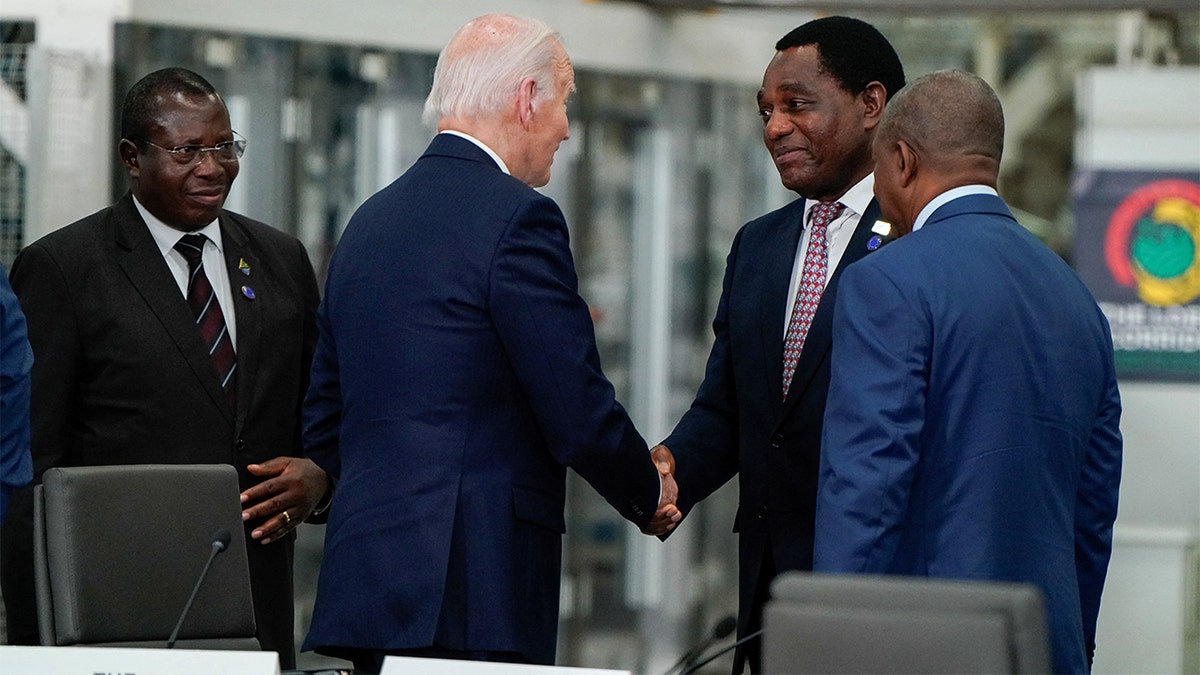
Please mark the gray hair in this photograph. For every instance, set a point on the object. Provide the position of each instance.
(484, 63)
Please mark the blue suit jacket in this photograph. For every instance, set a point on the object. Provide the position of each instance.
(972, 424)
(16, 362)
(456, 376)
(738, 422)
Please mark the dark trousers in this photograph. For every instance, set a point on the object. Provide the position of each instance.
(750, 654)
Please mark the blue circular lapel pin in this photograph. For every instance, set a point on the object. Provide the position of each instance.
(248, 292)
(874, 242)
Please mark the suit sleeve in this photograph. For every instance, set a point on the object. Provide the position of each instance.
(1096, 506)
(322, 412)
(16, 361)
(547, 332)
(309, 299)
(873, 422)
(54, 335)
(705, 441)
(46, 300)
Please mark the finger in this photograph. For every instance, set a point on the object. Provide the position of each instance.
(656, 529)
(268, 508)
(270, 467)
(265, 490)
(669, 513)
(274, 529)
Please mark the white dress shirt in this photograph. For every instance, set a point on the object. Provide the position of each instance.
(482, 146)
(213, 258)
(837, 235)
(949, 196)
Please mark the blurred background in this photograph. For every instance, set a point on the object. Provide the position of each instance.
(664, 164)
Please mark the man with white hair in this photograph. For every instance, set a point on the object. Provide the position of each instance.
(456, 377)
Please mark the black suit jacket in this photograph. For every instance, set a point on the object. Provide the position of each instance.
(121, 376)
(739, 424)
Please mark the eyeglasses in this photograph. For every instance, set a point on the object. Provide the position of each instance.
(228, 151)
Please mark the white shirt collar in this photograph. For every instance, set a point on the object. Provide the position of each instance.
(949, 196)
(166, 236)
(856, 199)
(482, 146)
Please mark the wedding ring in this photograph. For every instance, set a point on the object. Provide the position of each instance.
(287, 519)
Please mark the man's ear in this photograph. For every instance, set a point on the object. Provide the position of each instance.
(873, 98)
(909, 161)
(525, 98)
(129, 156)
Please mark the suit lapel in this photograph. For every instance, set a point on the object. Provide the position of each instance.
(777, 272)
(142, 263)
(820, 333)
(246, 309)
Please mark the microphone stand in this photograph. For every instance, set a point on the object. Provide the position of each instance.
(721, 652)
(719, 632)
(220, 542)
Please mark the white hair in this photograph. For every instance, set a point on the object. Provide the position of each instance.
(483, 65)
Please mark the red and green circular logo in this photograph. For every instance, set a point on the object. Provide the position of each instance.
(1153, 242)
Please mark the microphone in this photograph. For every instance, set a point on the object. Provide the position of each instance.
(220, 543)
(722, 630)
(721, 652)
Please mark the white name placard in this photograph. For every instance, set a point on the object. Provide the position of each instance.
(121, 661)
(407, 665)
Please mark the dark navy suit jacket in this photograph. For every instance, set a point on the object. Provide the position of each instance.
(16, 362)
(738, 422)
(456, 376)
(972, 424)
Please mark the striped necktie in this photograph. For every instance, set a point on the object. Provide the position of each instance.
(209, 319)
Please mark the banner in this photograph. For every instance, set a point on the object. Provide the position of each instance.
(1137, 247)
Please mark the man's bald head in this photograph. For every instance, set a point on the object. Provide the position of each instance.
(948, 115)
(941, 131)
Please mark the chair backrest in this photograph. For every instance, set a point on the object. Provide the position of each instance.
(819, 623)
(118, 549)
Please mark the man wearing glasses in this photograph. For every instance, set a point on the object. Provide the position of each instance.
(167, 330)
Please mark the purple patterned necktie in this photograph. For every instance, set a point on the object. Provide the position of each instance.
(812, 285)
(209, 319)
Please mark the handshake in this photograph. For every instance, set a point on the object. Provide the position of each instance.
(667, 515)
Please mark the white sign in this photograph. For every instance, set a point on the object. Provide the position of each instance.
(121, 661)
(407, 665)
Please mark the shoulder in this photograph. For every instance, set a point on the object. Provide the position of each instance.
(770, 230)
(79, 245)
(769, 224)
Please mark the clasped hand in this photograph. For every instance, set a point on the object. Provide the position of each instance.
(667, 515)
(292, 489)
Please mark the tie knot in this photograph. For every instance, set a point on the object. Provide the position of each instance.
(191, 246)
(824, 213)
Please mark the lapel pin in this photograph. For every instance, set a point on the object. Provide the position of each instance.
(244, 267)
(882, 231)
(247, 291)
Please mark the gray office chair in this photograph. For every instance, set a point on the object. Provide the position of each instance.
(870, 624)
(118, 550)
